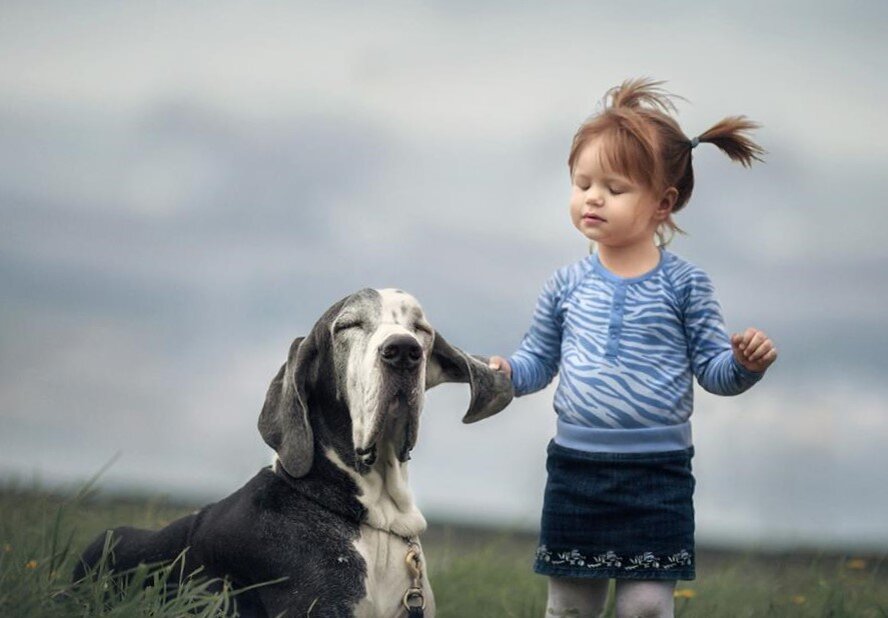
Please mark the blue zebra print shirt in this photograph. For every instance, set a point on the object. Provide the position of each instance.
(626, 350)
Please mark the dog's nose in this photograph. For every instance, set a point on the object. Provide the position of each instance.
(401, 352)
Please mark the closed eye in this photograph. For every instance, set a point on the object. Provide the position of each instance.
(423, 329)
(347, 324)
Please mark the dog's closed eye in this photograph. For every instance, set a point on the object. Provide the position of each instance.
(346, 324)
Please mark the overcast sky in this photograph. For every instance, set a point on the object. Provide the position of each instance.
(185, 188)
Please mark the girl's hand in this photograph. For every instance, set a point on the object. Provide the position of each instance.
(498, 363)
(753, 349)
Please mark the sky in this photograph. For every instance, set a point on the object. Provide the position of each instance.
(185, 188)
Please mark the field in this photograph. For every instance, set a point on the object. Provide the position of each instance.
(475, 572)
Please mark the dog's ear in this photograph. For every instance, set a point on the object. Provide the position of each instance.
(284, 422)
(491, 390)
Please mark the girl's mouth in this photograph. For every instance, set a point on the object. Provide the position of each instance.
(593, 219)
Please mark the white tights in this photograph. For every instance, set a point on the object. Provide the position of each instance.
(585, 598)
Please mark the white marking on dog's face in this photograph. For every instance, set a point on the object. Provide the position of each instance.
(380, 397)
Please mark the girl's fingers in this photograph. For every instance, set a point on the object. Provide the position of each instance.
(757, 339)
(742, 340)
(755, 347)
(765, 348)
(752, 339)
(768, 358)
(498, 363)
(754, 344)
(765, 361)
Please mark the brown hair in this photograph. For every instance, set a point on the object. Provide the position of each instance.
(643, 142)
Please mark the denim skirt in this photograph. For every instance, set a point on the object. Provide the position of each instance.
(617, 515)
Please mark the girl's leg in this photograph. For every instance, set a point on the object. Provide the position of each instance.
(644, 598)
(575, 597)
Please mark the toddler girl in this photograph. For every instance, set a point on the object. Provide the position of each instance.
(627, 328)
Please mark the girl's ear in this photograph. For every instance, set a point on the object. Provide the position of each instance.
(667, 203)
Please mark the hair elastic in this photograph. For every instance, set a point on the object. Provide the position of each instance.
(694, 142)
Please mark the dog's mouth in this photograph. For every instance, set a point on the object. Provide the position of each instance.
(365, 457)
(395, 429)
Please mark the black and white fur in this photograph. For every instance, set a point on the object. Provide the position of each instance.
(334, 513)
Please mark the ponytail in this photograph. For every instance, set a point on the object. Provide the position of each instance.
(728, 135)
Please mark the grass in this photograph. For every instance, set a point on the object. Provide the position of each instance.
(474, 572)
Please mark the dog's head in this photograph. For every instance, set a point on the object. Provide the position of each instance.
(359, 378)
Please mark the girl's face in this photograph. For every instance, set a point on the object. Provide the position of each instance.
(611, 209)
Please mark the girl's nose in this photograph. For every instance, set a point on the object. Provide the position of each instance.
(593, 197)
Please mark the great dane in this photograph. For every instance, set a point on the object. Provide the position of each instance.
(334, 515)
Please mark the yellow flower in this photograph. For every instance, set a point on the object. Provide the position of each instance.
(31, 564)
(799, 599)
(857, 564)
(684, 593)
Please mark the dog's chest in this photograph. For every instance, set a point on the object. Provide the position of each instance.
(388, 575)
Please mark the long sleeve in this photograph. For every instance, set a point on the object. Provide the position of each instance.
(535, 363)
(709, 347)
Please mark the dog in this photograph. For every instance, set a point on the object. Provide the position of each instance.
(334, 515)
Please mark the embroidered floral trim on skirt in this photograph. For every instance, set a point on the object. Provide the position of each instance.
(617, 515)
